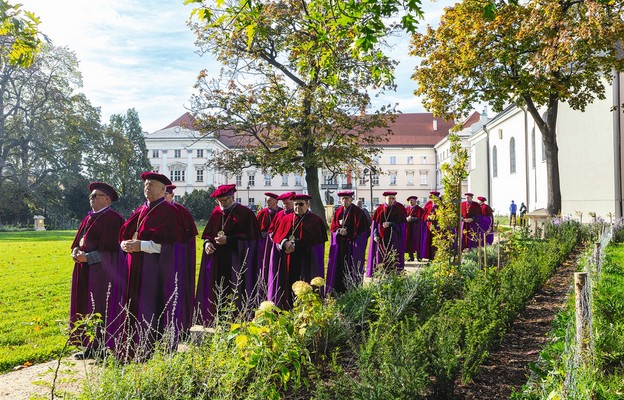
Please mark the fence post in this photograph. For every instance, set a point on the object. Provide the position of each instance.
(582, 323)
(597, 256)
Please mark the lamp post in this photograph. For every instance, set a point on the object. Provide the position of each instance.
(370, 171)
(248, 205)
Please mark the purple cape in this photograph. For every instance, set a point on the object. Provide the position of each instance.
(230, 272)
(99, 287)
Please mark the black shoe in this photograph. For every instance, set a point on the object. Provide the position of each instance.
(410, 259)
(89, 353)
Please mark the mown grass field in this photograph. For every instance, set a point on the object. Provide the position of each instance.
(35, 281)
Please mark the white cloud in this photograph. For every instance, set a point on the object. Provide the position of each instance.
(141, 54)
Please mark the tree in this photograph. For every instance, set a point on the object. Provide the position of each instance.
(46, 130)
(533, 54)
(122, 159)
(293, 94)
(199, 203)
(20, 39)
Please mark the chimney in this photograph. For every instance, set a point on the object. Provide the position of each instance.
(435, 124)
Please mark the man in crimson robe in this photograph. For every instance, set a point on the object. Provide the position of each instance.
(470, 210)
(387, 235)
(414, 220)
(301, 238)
(265, 217)
(486, 220)
(427, 249)
(99, 277)
(229, 261)
(275, 252)
(189, 231)
(349, 231)
(153, 239)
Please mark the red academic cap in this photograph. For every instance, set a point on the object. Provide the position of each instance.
(224, 190)
(286, 196)
(434, 193)
(104, 187)
(301, 196)
(269, 194)
(468, 194)
(169, 189)
(412, 197)
(155, 176)
(343, 193)
(481, 198)
(389, 193)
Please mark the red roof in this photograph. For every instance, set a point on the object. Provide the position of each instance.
(415, 129)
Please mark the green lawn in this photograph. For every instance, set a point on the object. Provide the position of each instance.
(35, 276)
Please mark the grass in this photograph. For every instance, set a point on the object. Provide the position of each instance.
(35, 271)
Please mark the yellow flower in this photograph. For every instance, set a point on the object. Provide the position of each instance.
(265, 307)
(318, 281)
(300, 288)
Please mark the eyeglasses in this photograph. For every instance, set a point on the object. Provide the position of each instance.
(94, 195)
(300, 204)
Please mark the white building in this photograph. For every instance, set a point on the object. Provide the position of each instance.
(407, 163)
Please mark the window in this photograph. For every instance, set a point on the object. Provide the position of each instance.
(423, 178)
(239, 200)
(410, 159)
(423, 160)
(494, 162)
(267, 180)
(177, 153)
(362, 179)
(410, 178)
(512, 156)
(200, 175)
(177, 198)
(362, 200)
(392, 160)
(155, 154)
(533, 155)
(285, 180)
(200, 153)
(252, 201)
(177, 175)
(239, 180)
(375, 178)
(393, 178)
(297, 180)
(251, 181)
(329, 180)
(376, 200)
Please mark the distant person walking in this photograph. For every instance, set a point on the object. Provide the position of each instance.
(523, 211)
(513, 207)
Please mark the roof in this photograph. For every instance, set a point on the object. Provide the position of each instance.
(412, 129)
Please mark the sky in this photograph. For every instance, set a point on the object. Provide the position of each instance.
(141, 54)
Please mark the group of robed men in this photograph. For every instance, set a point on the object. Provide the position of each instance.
(139, 275)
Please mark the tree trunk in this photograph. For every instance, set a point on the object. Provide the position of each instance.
(312, 182)
(548, 128)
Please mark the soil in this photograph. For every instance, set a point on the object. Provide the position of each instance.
(504, 371)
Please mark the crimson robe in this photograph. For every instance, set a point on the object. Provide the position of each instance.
(228, 273)
(155, 280)
(413, 230)
(391, 238)
(305, 263)
(427, 249)
(346, 252)
(470, 230)
(265, 217)
(99, 287)
(187, 292)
